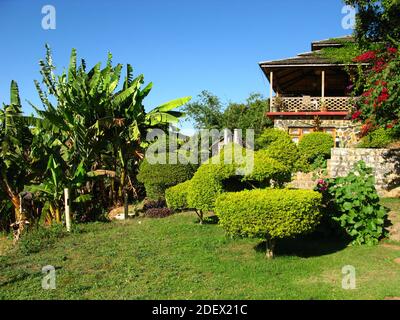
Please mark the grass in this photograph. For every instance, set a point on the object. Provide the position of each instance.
(176, 258)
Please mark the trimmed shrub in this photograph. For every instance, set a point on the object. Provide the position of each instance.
(279, 146)
(380, 138)
(158, 177)
(211, 179)
(207, 184)
(269, 214)
(269, 136)
(176, 196)
(267, 171)
(158, 213)
(316, 144)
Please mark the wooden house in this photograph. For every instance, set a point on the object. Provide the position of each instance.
(311, 93)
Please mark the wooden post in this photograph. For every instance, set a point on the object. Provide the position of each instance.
(67, 209)
(126, 213)
(271, 90)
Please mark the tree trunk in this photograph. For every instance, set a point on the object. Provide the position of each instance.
(270, 246)
(14, 198)
(200, 215)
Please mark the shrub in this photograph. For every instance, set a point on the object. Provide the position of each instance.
(355, 204)
(206, 185)
(158, 177)
(269, 214)
(279, 146)
(268, 171)
(379, 138)
(41, 238)
(176, 196)
(216, 177)
(316, 144)
(158, 213)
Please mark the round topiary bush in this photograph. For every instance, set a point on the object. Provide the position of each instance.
(269, 214)
(316, 145)
(158, 177)
(279, 146)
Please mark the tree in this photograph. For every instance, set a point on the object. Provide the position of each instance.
(206, 111)
(376, 20)
(249, 115)
(209, 113)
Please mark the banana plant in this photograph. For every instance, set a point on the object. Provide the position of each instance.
(51, 190)
(15, 143)
(98, 125)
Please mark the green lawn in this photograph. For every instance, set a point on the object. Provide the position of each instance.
(175, 258)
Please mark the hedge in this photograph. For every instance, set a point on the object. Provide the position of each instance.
(315, 145)
(269, 214)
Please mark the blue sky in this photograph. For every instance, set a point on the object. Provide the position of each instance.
(182, 46)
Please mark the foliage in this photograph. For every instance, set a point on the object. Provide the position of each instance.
(17, 165)
(342, 55)
(379, 138)
(356, 205)
(279, 146)
(158, 177)
(315, 145)
(208, 112)
(176, 196)
(376, 20)
(248, 115)
(233, 169)
(379, 105)
(268, 171)
(269, 214)
(207, 184)
(158, 213)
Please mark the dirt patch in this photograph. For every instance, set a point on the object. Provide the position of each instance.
(397, 260)
(392, 298)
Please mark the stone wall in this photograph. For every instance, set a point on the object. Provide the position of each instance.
(384, 162)
(345, 129)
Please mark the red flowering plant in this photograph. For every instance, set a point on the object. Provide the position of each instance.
(379, 104)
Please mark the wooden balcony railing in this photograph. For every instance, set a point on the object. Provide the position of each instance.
(311, 104)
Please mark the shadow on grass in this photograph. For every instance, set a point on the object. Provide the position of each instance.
(211, 220)
(313, 245)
